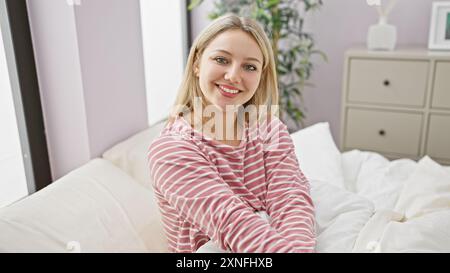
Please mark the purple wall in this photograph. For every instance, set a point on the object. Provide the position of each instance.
(91, 76)
(112, 67)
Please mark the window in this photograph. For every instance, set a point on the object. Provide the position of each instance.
(165, 42)
(24, 165)
(13, 183)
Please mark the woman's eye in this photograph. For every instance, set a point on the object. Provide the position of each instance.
(220, 60)
(250, 67)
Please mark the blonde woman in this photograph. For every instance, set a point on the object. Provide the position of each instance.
(224, 170)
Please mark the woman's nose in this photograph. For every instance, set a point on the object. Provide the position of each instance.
(233, 74)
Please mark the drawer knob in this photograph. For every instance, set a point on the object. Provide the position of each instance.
(386, 83)
(382, 132)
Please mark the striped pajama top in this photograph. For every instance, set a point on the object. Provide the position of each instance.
(207, 190)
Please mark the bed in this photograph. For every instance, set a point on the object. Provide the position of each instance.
(364, 202)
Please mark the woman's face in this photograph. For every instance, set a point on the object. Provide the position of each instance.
(230, 69)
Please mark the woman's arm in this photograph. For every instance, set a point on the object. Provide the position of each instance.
(288, 201)
(191, 184)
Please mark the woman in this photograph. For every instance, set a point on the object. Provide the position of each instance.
(215, 179)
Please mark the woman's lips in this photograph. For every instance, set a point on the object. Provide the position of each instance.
(227, 94)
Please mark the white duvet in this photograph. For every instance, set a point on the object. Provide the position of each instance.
(383, 206)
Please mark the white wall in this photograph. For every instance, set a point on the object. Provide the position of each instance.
(91, 76)
(336, 27)
(165, 49)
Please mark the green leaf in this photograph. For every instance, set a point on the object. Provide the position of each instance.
(282, 70)
(296, 90)
(213, 15)
(272, 3)
(194, 3)
(321, 53)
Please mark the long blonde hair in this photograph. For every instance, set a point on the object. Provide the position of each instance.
(267, 91)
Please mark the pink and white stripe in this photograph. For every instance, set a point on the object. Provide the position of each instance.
(210, 191)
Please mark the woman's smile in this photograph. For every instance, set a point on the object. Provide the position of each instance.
(228, 91)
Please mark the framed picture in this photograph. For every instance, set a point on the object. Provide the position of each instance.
(440, 26)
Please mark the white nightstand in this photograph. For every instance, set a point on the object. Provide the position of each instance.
(397, 103)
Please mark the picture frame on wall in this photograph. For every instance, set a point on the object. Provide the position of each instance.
(439, 38)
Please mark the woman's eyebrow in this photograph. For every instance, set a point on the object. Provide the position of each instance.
(249, 58)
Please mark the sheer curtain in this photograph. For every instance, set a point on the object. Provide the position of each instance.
(13, 184)
(165, 43)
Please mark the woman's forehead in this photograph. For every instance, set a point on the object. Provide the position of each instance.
(236, 42)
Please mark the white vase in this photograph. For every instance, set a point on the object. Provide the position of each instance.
(382, 36)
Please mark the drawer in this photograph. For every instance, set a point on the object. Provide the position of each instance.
(441, 86)
(383, 131)
(389, 82)
(438, 141)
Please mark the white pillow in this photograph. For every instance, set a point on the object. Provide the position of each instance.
(131, 154)
(97, 206)
(318, 156)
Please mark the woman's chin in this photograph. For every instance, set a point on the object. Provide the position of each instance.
(228, 107)
(223, 107)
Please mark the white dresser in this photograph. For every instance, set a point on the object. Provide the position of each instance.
(397, 103)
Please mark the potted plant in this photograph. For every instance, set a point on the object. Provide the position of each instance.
(283, 21)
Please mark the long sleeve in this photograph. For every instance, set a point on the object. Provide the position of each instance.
(190, 184)
(288, 200)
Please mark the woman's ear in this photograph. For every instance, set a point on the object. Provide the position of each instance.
(196, 71)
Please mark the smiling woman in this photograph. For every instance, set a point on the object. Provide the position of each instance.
(215, 188)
